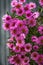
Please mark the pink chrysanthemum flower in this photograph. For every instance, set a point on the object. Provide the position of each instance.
(20, 12)
(26, 22)
(10, 39)
(28, 14)
(18, 5)
(27, 64)
(13, 10)
(24, 30)
(14, 31)
(32, 22)
(41, 2)
(40, 39)
(22, 56)
(20, 41)
(35, 47)
(26, 60)
(22, 50)
(16, 49)
(40, 59)
(6, 26)
(20, 23)
(32, 5)
(13, 23)
(28, 47)
(36, 14)
(17, 60)
(11, 60)
(23, 35)
(26, 8)
(6, 18)
(34, 55)
(34, 39)
(40, 29)
(22, 1)
(10, 45)
(13, 3)
(20, 61)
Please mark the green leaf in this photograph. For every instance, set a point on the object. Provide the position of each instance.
(8, 13)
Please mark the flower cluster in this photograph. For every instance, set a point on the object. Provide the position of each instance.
(26, 33)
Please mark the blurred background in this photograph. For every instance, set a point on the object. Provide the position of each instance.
(4, 52)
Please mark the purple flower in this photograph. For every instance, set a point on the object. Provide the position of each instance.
(34, 39)
(20, 23)
(40, 59)
(6, 26)
(20, 41)
(18, 5)
(11, 60)
(41, 2)
(20, 12)
(22, 50)
(32, 5)
(40, 29)
(23, 35)
(26, 22)
(25, 30)
(34, 55)
(19, 61)
(28, 47)
(40, 39)
(36, 14)
(32, 22)
(13, 3)
(28, 14)
(22, 56)
(22, 1)
(27, 64)
(16, 49)
(6, 18)
(26, 8)
(13, 23)
(10, 39)
(10, 45)
(35, 47)
(26, 60)
(13, 10)
(14, 31)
